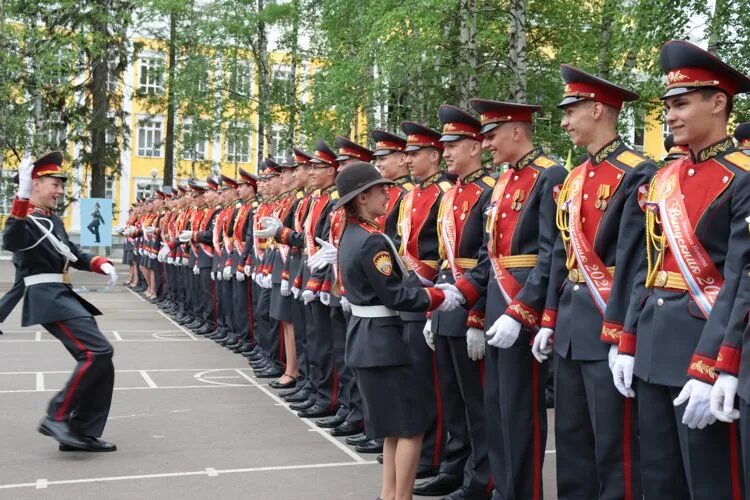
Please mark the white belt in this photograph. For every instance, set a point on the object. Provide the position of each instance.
(37, 279)
(372, 311)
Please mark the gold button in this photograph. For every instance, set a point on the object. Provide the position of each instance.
(573, 275)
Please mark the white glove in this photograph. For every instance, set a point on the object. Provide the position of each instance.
(259, 279)
(325, 298)
(698, 410)
(185, 236)
(313, 262)
(271, 226)
(164, 252)
(429, 337)
(213, 276)
(622, 374)
(346, 305)
(504, 332)
(267, 281)
(196, 270)
(308, 296)
(111, 273)
(722, 398)
(240, 275)
(327, 252)
(285, 292)
(295, 292)
(186, 261)
(612, 357)
(453, 297)
(25, 169)
(218, 275)
(475, 343)
(227, 272)
(248, 271)
(542, 345)
(170, 260)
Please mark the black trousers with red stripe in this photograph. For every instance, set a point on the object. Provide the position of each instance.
(320, 351)
(679, 462)
(595, 434)
(463, 402)
(516, 419)
(350, 399)
(85, 400)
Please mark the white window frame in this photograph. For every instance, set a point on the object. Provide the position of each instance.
(54, 131)
(278, 153)
(151, 76)
(241, 77)
(150, 133)
(232, 153)
(198, 153)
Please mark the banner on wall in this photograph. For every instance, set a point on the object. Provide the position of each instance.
(96, 222)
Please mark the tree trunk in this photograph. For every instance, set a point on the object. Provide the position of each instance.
(467, 51)
(261, 61)
(517, 49)
(716, 25)
(99, 93)
(605, 56)
(169, 139)
(294, 63)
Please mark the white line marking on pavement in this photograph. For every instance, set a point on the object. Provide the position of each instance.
(157, 414)
(182, 474)
(180, 327)
(40, 381)
(211, 472)
(40, 484)
(307, 421)
(38, 336)
(149, 381)
(116, 335)
(204, 386)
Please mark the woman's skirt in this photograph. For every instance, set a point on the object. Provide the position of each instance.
(281, 307)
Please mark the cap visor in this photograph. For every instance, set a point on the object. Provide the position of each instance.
(489, 126)
(681, 90)
(570, 100)
(452, 138)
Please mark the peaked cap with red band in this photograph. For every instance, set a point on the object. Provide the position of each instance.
(458, 124)
(494, 113)
(49, 165)
(248, 178)
(689, 67)
(418, 137)
(213, 182)
(301, 157)
(387, 143)
(324, 155)
(228, 182)
(581, 86)
(350, 150)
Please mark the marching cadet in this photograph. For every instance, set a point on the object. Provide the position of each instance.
(674, 151)
(698, 242)
(742, 134)
(600, 217)
(514, 276)
(391, 162)
(42, 254)
(242, 239)
(458, 335)
(373, 276)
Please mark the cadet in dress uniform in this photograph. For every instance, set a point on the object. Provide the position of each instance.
(592, 272)
(193, 318)
(514, 275)
(697, 241)
(373, 276)
(42, 254)
(459, 335)
(222, 258)
(674, 151)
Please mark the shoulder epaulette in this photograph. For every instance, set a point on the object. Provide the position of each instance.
(300, 195)
(544, 162)
(631, 158)
(490, 181)
(445, 185)
(739, 159)
(335, 195)
(408, 186)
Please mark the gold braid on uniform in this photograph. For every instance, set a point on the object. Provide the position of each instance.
(563, 223)
(655, 240)
(441, 244)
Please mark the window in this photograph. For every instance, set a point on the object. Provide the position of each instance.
(113, 80)
(278, 152)
(152, 75)
(241, 77)
(238, 143)
(282, 88)
(144, 186)
(7, 190)
(149, 138)
(109, 189)
(639, 132)
(193, 143)
(54, 132)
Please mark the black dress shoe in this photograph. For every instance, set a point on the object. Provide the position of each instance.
(194, 325)
(219, 338)
(61, 432)
(330, 422)
(284, 385)
(261, 366)
(205, 330)
(355, 440)
(294, 390)
(466, 494)
(424, 472)
(379, 458)
(441, 485)
(246, 347)
(370, 446)
(316, 411)
(348, 428)
(93, 445)
(298, 397)
(304, 405)
(273, 372)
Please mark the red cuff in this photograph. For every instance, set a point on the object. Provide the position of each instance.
(313, 285)
(475, 320)
(285, 274)
(20, 208)
(326, 288)
(627, 343)
(97, 263)
(522, 313)
(729, 360)
(611, 332)
(298, 281)
(549, 318)
(282, 235)
(702, 368)
(437, 296)
(468, 291)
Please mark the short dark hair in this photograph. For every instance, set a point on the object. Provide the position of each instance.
(709, 92)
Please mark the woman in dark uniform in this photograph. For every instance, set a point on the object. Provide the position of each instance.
(372, 277)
